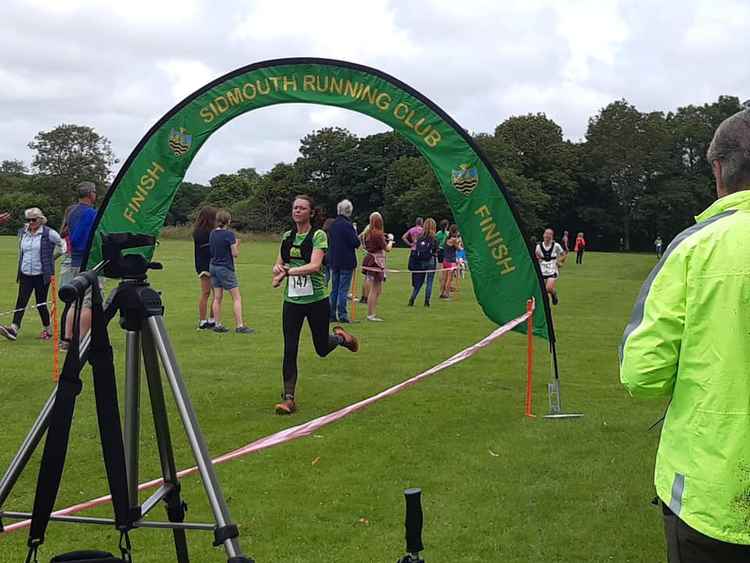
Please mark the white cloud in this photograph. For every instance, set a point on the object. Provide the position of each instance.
(594, 30)
(186, 76)
(58, 7)
(715, 26)
(142, 12)
(16, 85)
(569, 104)
(118, 67)
(339, 29)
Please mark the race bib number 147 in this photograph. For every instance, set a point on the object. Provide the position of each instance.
(300, 286)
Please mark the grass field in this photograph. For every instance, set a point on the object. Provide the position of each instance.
(498, 487)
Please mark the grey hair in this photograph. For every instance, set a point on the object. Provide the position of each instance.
(731, 147)
(345, 208)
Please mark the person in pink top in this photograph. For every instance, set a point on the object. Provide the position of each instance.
(410, 238)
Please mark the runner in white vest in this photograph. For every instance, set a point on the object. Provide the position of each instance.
(551, 256)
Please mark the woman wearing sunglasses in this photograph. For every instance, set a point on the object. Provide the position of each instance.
(38, 246)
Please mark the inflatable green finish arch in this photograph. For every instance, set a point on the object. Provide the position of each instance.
(503, 270)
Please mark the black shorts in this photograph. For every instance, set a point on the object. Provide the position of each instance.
(553, 276)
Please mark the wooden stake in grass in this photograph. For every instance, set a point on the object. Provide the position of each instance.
(354, 295)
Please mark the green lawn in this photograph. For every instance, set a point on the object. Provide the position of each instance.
(497, 486)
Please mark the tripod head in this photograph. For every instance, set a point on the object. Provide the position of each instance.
(126, 266)
(129, 267)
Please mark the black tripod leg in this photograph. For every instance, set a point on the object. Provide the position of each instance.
(132, 426)
(175, 506)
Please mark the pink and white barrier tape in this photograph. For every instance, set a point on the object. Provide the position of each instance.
(27, 308)
(391, 270)
(307, 428)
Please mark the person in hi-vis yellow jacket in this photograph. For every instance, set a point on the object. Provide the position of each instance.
(689, 340)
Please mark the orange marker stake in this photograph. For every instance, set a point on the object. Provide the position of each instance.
(55, 333)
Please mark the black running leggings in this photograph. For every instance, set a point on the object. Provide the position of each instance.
(27, 285)
(293, 316)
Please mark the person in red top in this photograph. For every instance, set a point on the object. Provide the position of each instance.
(579, 247)
(4, 217)
(376, 245)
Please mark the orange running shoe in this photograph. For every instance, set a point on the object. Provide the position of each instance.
(350, 341)
(287, 406)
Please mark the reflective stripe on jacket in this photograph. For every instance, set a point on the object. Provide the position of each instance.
(689, 340)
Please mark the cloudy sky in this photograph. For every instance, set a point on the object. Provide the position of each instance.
(119, 66)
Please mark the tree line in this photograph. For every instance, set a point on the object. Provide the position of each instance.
(634, 176)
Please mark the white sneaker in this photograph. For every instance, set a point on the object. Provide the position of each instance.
(374, 318)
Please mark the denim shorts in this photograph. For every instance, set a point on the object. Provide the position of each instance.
(223, 278)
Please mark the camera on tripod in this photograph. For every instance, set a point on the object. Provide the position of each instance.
(130, 266)
(115, 264)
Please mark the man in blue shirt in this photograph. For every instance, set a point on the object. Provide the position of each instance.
(342, 259)
(80, 220)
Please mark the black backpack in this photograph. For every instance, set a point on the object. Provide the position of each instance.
(305, 248)
(423, 249)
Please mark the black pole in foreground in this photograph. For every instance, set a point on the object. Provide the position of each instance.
(413, 526)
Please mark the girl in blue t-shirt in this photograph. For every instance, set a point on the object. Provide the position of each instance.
(225, 247)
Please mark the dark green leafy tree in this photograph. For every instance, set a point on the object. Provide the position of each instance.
(16, 202)
(412, 191)
(539, 153)
(187, 202)
(527, 194)
(627, 151)
(670, 203)
(13, 168)
(268, 208)
(329, 164)
(71, 153)
(227, 189)
(635, 176)
(249, 174)
(376, 154)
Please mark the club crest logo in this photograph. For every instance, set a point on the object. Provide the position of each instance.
(465, 179)
(180, 141)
